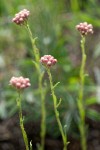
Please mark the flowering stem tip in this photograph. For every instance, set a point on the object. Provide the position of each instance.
(84, 28)
(48, 61)
(21, 83)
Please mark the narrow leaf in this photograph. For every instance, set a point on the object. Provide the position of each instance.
(93, 114)
(35, 64)
(90, 101)
(56, 85)
(59, 103)
(30, 145)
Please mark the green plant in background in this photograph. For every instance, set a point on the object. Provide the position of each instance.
(21, 19)
(84, 29)
(48, 61)
(21, 83)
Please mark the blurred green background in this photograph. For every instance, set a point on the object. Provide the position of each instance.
(53, 22)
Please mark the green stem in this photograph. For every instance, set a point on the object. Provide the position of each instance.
(64, 138)
(43, 119)
(40, 77)
(33, 40)
(80, 97)
(21, 122)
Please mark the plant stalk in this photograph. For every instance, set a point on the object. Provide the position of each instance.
(80, 97)
(42, 94)
(21, 121)
(64, 137)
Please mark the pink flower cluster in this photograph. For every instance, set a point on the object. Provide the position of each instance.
(21, 17)
(48, 60)
(85, 28)
(20, 82)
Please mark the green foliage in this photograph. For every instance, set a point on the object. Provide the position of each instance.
(93, 114)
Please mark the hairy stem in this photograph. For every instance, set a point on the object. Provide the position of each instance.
(33, 40)
(64, 137)
(43, 120)
(80, 97)
(21, 122)
(42, 94)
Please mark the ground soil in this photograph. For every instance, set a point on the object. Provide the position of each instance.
(11, 137)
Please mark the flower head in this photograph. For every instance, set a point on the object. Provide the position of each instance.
(20, 82)
(21, 17)
(85, 28)
(48, 60)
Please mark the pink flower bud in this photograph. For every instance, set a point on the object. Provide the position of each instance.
(21, 17)
(85, 28)
(48, 60)
(20, 82)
